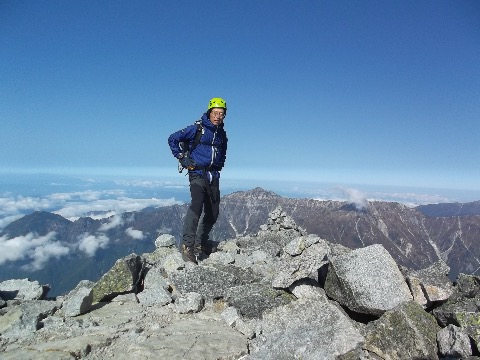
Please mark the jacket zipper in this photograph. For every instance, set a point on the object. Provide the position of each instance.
(214, 149)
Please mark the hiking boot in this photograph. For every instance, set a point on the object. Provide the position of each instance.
(203, 251)
(197, 249)
(188, 254)
(200, 252)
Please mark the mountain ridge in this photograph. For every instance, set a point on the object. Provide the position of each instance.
(412, 238)
(451, 209)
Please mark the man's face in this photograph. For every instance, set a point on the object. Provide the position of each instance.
(216, 116)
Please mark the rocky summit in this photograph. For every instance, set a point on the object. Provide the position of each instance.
(278, 294)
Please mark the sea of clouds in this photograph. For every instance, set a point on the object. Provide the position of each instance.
(73, 198)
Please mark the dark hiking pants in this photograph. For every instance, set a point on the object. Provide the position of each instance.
(206, 199)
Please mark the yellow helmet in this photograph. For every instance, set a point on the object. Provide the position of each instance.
(217, 103)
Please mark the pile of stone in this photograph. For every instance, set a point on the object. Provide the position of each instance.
(281, 294)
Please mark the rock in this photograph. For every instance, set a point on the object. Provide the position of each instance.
(252, 300)
(210, 281)
(278, 220)
(189, 303)
(306, 289)
(453, 342)
(280, 228)
(297, 245)
(467, 286)
(231, 315)
(79, 300)
(22, 289)
(462, 308)
(134, 331)
(268, 243)
(304, 264)
(229, 247)
(256, 297)
(21, 321)
(220, 258)
(242, 274)
(41, 354)
(248, 327)
(126, 298)
(155, 289)
(123, 277)
(405, 332)
(165, 240)
(173, 262)
(306, 329)
(366, 280)
(430, 285)
(159, 256)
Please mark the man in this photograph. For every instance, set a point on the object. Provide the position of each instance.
(204, 163)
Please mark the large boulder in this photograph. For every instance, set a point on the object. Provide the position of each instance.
(405, 332)
(205, 280)
(79, 300)
(253, 299)
(122, 278)
(22, 289)
(210, 281)
(366, 280)
(309, 328)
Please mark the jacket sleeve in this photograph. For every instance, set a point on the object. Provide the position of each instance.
(224, 153)
(187, 134)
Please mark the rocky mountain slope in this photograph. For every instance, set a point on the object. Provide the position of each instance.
(412, 238)
(278, 294)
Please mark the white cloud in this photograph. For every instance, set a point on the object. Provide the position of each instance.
(74, 210)
(15, 205)
(13, 249)
(88, 195)
(355, 197)
(116, 220)
(97, 204)
(136, 234)
(89, 244)
(410, 198)
(31, 246)
(150, 184)
(360, 198)
(42, 254)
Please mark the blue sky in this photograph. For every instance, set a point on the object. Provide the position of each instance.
(372, 93)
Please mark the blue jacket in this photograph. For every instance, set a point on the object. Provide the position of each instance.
(210, 153)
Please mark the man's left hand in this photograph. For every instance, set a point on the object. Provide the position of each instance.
(187, 163)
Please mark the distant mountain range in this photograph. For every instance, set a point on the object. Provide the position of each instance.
(451, 209)
(415, 237)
